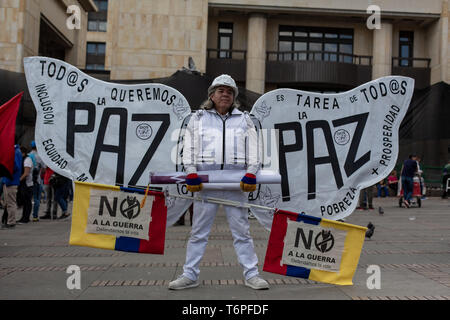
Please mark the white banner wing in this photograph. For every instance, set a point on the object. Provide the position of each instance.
(330, 146)
(95, 131)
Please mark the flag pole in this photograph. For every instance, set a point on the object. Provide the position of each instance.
(220, 201)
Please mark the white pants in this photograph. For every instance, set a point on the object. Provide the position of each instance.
(203, 218)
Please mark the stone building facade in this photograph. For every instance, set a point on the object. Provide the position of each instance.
(152, 39)
(315, 45)
(39, 27)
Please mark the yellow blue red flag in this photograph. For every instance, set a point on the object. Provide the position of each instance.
(117, 218)
(313, 248)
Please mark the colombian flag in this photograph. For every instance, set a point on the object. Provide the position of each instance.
(313, 248)
(107, 214)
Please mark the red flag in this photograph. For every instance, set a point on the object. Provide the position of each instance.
(8, 115)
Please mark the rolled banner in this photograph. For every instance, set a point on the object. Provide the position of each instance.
(215, 176)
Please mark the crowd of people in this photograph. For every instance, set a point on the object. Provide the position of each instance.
(385, 188)
(31, 183)
(402, 185)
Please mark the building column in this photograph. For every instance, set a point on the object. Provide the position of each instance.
(256, 53)
(382, 51)
(444, 58)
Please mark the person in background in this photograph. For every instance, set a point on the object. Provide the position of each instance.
(366, 198)
(419, 174)
(50, 211)
(61, 187)
(27, 187)
(393, 182)
(409, 169)
(10, 188)
(2, 202)
(70, 192)
(445, 177)
(1, 193)
(382, 188)
(37, 171)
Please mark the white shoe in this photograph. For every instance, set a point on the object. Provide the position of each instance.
(182, 283)
(257, 283)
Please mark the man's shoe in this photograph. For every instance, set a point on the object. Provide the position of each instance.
(257, 283)
(64, 215)
(47, 215)
(35, 219)
(182, 283)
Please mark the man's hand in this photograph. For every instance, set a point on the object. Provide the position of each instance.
(248, 183)
(193, 183)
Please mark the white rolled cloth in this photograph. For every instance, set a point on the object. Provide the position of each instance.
(216, 176)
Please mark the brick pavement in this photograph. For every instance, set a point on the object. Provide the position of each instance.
(411, 247)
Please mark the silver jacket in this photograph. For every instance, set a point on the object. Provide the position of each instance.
(215, 142)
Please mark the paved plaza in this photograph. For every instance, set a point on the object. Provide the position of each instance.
(411, 248)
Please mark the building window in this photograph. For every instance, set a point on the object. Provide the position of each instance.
(95, 56)
(97, 21)
(406, 48)
(225, 40)
(311, 43)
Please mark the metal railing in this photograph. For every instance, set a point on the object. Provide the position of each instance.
(398, 62)
(310, 55)
(304, 55)
(227, 54)
(432, 175)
